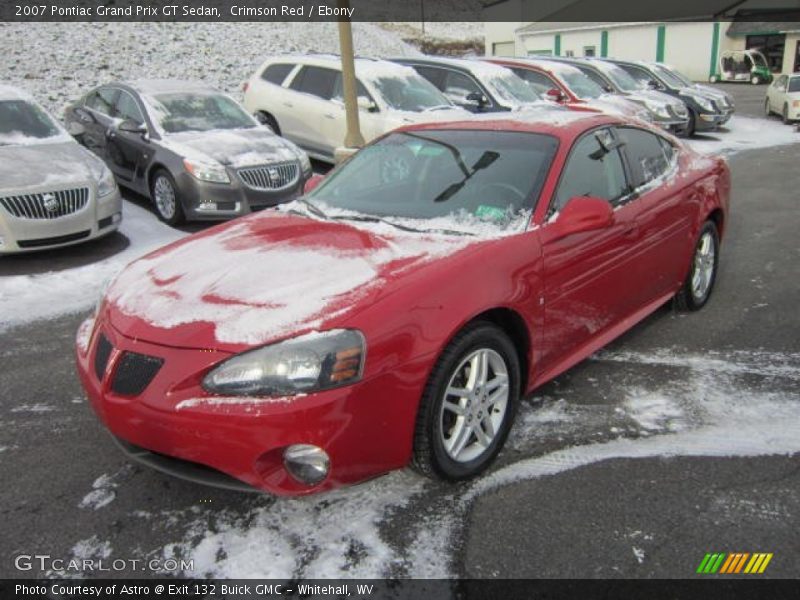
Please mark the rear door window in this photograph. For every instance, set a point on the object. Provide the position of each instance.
(103, 101)
(317, 81)
(646, 154)
(276, 73)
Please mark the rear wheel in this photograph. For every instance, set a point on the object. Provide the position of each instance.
(785, 114)
(468, 404)
(267, 119)
(755, 80)
(696, 290)
(164, 194)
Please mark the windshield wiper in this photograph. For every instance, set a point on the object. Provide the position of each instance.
(372, 219)
(312, 208)
(438, 107)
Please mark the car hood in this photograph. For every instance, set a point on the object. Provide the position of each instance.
(443, 114)
(232, 147)
(616, 105)
(264, 278)
(43, 165)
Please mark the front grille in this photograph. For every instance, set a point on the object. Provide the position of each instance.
(134, 373)
(270, 177)
(52, 241)
(47, 205)
(101, 356)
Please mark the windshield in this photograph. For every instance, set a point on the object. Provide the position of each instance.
(23, 122)
(619, 76)
(758, 59)
(459, 181)
(580, 84)
(178, 112)
(511, 88)
(410, 92)
(685, 80)
(669, 77)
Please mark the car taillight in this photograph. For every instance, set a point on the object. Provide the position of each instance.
(245, 85)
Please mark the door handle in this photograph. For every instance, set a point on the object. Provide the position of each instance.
(329, 116)
(288, 105)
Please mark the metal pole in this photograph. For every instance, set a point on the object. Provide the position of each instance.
(353, 138)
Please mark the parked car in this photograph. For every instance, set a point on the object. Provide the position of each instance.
(398, 312)
(666, 111)
(564, 84)
(194, 151)
(783, 97)
(707, 111)
(742, 65)
(53, 193)
(725, 99)
(475, 85)
(301, 98)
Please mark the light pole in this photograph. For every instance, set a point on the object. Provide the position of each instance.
(353, 138)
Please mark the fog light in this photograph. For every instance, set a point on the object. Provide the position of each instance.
(307, 464)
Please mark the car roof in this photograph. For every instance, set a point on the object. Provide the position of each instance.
(163, 86)
(559, 122)
(367, 67)
(9, 92)
(554, 67)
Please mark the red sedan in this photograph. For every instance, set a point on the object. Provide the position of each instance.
(399, 311)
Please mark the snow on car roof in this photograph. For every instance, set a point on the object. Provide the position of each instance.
(9, 92)
(163, 86)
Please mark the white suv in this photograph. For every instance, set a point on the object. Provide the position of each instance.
(300, 98)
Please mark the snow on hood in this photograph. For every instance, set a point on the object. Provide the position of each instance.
(265, 277)
(232, 147)
(57, 164)
(617, 105)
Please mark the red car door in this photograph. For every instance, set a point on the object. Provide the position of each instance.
(664, 207)
(589, 284)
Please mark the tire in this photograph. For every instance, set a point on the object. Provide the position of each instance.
(713, 79)
(785, 115)
(767, 111)
(267, 119)
(692, 127)
(697, 288)
(161, 186)
(446, 438)
(755, 80)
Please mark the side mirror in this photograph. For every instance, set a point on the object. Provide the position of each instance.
(653, 85)
(477, 99)
(581, 214)
(132, 127)
(555, 95)
(75, 129)
(366, 104)
(312, 182)
(84, 115)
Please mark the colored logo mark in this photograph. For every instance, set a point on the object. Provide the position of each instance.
(734, 563)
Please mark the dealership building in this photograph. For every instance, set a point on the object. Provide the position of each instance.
(692, 47)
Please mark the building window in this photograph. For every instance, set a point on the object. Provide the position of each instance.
(540, 53)
(589, 51)
(503, 49)
(569, 53)
(771, 46)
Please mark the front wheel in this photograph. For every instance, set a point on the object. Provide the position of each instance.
(468, 404)
(699, 283)
(755, 80)
(713, 79)
(165, 197)
(785, 114)
(269, 121)
(767, 111)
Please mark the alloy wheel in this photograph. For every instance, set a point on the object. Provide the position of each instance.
(164, 196)
(474, 406)
(704, 265)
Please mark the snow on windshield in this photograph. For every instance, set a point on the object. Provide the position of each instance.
(401, 87)
(178, 112)
(23, 122)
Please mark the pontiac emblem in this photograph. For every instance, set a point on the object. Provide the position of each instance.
(50, 202)
(274, 176)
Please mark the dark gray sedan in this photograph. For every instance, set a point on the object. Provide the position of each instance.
(194, 151)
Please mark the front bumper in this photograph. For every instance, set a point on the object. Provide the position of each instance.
(710, 121)
(676, 126)
(98, 218)
(365, 428)
(205, 201)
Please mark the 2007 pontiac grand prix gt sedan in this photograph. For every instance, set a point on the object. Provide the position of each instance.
(397, 312)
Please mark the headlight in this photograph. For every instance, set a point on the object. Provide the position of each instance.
(106, 184)
(205, 171)
(305, 161)
(657, 109)
(309, 363)
(704, 103)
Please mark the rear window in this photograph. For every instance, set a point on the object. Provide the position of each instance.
(276, 73)
(317, 81)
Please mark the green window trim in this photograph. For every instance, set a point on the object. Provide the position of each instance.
(557, 51)
(660, 43)
(604, 44)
